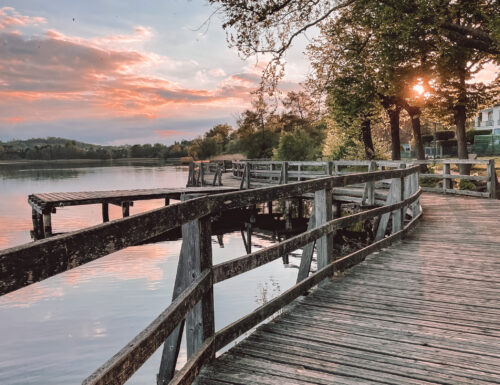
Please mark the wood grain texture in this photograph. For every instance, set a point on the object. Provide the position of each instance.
(425, 310)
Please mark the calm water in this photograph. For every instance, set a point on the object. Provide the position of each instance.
(60, 330)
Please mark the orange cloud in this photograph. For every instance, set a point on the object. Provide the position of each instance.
(167, 133)
(55, 76)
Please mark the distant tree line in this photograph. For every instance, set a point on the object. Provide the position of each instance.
(60, 148)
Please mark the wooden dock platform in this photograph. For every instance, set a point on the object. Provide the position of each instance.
(423, 311)
(45, 204)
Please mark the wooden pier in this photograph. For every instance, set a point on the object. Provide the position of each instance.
(420, 307)
(45, 204)
(423, 311)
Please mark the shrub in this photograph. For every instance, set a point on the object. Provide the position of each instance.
(426, 139)
(466, 185)
(425, 181)
(472, 133)
(445, 135)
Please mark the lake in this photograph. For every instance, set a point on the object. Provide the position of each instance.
(60, 330)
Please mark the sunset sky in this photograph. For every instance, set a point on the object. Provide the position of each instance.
(116, 72)
(123, 72)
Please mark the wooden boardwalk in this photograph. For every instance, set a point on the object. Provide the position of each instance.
(424, 311)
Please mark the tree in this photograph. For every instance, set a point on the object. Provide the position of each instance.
(297, 145)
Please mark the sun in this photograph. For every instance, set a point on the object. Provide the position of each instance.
(419, 89)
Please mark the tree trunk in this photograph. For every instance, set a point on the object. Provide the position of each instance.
(460, 115)
(395, 140)
(366, 137)
(414, 113)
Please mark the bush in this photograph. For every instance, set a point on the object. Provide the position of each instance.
(426, 139)
(296, 145)
(425, 181)
(445, 135)
(469, 135)
(466, 185)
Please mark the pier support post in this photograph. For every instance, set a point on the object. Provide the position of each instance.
(37, 220)
(167, 201)
(105, 212)
(125, 209)
(47, 225)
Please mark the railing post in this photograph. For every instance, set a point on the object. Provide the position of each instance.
(398, 215)
(329, 169)
(446, 182)
(202, 174)
(323, 214)
(369, 190)
(200, 320)
(307, 251)
(285, 172)
(190, 181)
(195, 257)
(492, 179)
(247, 175)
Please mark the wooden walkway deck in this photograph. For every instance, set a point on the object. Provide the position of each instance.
(424, 311)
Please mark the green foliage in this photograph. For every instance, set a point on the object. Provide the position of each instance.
(60, 148)
(428, 182)
(445, 135)
(296, 145)
(472, 133)
(466, 185)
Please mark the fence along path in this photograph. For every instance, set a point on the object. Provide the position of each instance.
(193, 293)
(423, 311)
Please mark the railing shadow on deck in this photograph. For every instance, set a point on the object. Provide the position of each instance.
(196, 276)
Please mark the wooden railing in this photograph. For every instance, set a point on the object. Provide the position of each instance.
(196, 276)
(447, 176)
(200, 171)
(258, 173)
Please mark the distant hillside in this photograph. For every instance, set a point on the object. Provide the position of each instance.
(60, 148)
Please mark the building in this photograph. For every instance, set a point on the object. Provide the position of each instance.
(488, 119)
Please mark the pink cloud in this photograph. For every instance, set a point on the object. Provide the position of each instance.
(10, 18)
(55, 76)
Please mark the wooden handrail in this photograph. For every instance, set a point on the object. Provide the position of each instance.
(234, 267)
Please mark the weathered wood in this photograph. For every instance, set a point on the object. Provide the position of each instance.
(232, 268)
(200, 321)
(368, 197)
(307, 251)
(123, 364)
(37, 224)
(237, 328)
(33, 262)
(47, 224)
(323, 214)
(492, 179)
(384, 218)
(105, 212)
(125, 209)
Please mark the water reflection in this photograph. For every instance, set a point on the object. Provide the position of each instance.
(60, 330)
